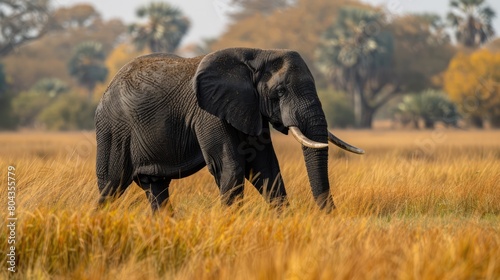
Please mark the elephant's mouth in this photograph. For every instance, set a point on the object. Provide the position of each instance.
(280, 127)
(302, 139)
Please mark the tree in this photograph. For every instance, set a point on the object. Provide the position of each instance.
(6, 116)
(472, 22)
(421, 49)
(298, 27)
(374, 60)
(25, 66)
(473, 82)
(357, 53)
(22, 21)
(164, 29)
(87, 65)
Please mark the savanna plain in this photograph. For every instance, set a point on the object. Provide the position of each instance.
(417, 205)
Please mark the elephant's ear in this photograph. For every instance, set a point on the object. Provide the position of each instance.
(224, 88)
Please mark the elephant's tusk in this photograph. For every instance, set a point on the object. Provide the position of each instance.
(343, 144)
(302, 139)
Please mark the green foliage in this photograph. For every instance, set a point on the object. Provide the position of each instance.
(3, 80)
(337, 107)
(164, 30)
(87, 65)
(27, 105)
(7, 121)
(51, 86)
(68, 112)
(430, 107)
(48, 104)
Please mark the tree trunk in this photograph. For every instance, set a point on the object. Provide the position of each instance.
(367, 114)
(428, 123)
(358, 107)
(476, 121)
(90, 92)
(495, 121)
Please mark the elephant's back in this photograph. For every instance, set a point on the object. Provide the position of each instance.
(152, 73)
(150, 80)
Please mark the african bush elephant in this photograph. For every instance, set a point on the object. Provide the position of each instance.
(164, 117)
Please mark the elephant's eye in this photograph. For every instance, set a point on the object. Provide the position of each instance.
(281, 91)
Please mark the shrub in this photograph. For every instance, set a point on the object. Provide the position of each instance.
(430, 107)
(68, 112)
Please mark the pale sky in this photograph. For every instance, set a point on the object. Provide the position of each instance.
(208, 18)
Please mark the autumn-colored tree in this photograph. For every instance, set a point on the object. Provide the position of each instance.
(165, 27)
(472, 22)
(493, 45)
(473, 82)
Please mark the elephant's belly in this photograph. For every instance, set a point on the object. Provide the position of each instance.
(170, 155)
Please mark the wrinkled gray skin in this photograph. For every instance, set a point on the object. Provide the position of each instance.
(164, 117)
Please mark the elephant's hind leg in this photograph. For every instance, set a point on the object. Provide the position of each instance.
(156, 189)
(114, 172)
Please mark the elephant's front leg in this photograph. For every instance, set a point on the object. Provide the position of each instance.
(231, 181)
(219, 146)
(156, 189)
(262, 168)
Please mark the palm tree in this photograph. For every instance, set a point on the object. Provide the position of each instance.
(164, 29)
(87, 65)
(471, 20)
(355, 51)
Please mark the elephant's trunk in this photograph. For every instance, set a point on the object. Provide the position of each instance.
(316, 160)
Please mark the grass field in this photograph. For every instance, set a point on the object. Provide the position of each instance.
(418, 205)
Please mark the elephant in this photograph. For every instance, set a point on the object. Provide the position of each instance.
(165, 117)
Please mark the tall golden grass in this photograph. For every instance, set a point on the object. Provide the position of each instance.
(418, 205)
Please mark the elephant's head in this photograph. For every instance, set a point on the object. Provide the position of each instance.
(247, 87)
